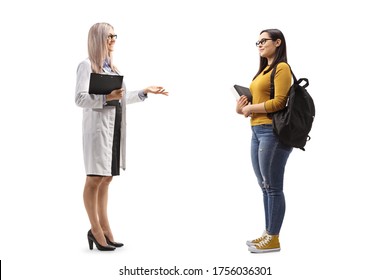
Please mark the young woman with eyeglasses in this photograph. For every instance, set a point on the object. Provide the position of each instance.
(269, 156)
(104, 131)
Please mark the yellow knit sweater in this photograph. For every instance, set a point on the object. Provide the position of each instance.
(260, 89)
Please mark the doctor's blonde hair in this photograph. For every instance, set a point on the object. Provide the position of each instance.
(97, 46)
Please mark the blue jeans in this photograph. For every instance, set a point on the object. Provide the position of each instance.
(269, 158)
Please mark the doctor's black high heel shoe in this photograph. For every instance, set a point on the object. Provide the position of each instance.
(115, 244)
(92, 239)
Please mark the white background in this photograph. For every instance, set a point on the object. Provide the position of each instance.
(189, 196)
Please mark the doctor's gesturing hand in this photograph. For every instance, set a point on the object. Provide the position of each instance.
(155, 90)
(117, 94)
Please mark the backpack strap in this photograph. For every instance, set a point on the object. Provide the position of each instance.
(272, 86)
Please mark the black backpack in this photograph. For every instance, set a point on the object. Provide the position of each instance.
(293, 123)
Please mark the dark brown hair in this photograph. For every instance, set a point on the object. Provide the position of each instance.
(280, 54)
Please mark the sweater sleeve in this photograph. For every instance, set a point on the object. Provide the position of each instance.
(282, 83)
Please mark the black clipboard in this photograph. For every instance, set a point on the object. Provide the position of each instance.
(104, 84)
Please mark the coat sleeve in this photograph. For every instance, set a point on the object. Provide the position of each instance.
(82, 97)
(135, 96)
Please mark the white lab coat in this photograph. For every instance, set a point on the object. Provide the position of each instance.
(98, 124)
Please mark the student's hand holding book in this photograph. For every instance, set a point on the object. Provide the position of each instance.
(247, 110)
(241, 103)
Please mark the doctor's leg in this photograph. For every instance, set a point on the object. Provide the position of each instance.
(102, 199)
(90, 196)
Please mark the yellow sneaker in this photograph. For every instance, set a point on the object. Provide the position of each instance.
(270, 243)
(257, 240)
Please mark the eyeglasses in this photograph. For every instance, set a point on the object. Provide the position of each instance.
(262, 42)
(112, 36)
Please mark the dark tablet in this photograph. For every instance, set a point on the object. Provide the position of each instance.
(243, 91)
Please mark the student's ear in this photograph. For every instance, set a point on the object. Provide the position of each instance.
(278, 42)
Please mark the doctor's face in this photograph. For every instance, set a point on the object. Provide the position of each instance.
(111, 39)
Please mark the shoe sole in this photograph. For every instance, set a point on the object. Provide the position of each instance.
(255, 250)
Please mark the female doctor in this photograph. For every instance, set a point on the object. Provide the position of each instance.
(104, 131)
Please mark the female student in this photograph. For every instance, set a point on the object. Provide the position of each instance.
(269, 156)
